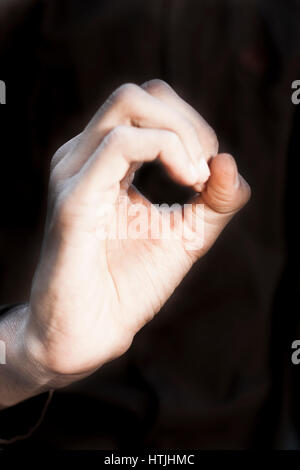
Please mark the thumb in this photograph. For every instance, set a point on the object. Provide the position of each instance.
(225, 193)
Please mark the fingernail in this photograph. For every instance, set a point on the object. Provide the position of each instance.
(193, 171)
(200, 187)
(203, 170)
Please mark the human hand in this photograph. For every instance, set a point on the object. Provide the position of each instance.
(91, 294)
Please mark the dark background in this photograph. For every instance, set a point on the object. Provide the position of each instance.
(213, 370)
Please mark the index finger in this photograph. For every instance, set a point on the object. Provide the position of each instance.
(207, 136)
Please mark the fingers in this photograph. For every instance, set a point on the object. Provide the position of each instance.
(126, 145)
(166, 94)
(65, 149)
(130, 105)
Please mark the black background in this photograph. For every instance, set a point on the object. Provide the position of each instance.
(213, 370)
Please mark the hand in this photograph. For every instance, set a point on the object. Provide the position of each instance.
(91, 294)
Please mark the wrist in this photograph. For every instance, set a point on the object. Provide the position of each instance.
(41, 370)
(21, 377)
(35, 371)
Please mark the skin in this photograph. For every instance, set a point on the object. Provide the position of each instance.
(89, 296)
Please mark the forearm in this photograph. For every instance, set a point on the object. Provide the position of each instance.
(22, 376)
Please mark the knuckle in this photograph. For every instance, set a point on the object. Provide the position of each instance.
(173, 139)
(57, 157)
(55, 168)
(125, 93)
(156, 86)
(62, 151)
(117, 136)
(55, 173)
